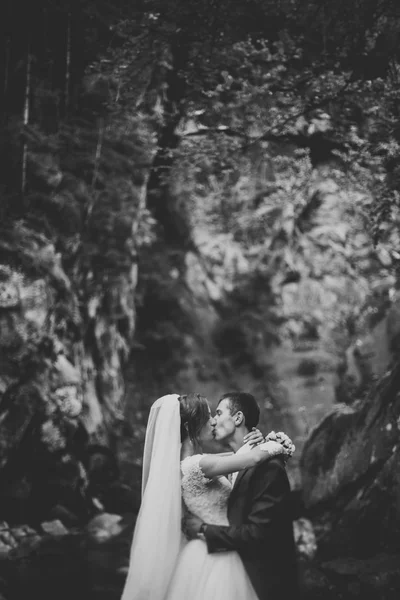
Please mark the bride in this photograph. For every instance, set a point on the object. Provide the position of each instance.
(176, 474)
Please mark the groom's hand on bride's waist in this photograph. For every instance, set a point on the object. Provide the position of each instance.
(192, 526)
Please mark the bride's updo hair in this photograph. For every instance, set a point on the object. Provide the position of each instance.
(195, 413)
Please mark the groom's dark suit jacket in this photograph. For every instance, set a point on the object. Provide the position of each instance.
(261, 530)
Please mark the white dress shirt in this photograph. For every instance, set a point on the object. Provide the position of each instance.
(242, 450)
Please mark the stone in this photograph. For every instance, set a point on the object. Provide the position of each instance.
(6, 537)
(104, 526)
(22, 531)
(350, 477)
(304, 537)
(54, 528)
(5, 549)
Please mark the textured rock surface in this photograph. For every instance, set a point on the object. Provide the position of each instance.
(61, 384)
(350, 475)
(273, 304)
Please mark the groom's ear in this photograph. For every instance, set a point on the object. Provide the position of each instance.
(239, 418)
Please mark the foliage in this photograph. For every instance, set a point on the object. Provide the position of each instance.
(223, 110)
(320, 76)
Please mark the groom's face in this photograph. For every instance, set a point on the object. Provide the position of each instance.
(224, 421)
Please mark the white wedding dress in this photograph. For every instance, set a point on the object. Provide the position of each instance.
(199, 575)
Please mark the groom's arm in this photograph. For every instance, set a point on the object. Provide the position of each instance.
(270, 488)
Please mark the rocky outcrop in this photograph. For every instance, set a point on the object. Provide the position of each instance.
(66, 327)
(270, 299)
(350, 474)
(68, 279)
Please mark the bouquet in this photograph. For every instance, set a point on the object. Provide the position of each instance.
(282, 438)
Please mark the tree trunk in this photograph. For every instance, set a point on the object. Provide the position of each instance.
(68, 65)
(98, 151)
(26, 118)
(161, 203)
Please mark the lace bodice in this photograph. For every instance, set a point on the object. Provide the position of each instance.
(205, 498)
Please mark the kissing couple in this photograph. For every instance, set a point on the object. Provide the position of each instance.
(233, 507)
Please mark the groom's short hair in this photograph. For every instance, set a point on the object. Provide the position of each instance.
(245, 403)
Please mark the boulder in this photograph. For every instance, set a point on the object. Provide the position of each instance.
(104, 526)
(350, 476)
(55, 528)
(305, 539)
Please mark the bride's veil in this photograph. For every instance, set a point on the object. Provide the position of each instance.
(157, 538)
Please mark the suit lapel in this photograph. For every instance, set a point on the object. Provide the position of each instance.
(239, 477)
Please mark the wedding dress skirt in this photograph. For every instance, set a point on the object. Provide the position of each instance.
(199, 575)
(203, 576)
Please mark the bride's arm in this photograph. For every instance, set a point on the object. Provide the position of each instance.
(213, 465)
(224, 453)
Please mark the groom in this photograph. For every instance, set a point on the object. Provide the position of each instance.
(260, 529)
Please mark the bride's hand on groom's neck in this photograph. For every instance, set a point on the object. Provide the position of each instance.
(254, 437)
